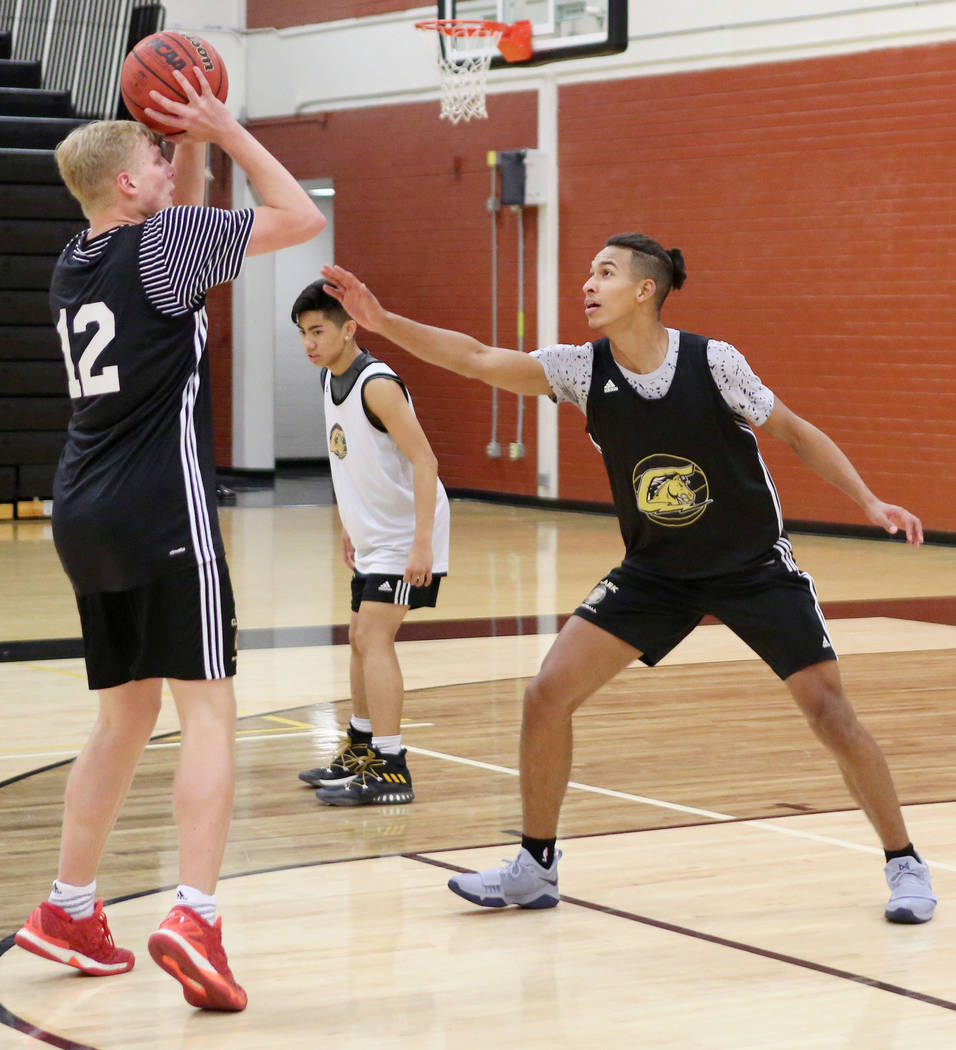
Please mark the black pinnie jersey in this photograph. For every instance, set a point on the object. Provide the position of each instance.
(135, 488)
(693, 496)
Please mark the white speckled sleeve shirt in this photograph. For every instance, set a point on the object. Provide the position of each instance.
(568, 369)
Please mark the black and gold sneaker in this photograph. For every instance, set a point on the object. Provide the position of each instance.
(344, 767)
(384, 780)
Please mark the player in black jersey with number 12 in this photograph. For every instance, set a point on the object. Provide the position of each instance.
(134, 511)
(673, 415)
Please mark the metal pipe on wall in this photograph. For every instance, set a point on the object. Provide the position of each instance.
(493, 448)
(516, 448)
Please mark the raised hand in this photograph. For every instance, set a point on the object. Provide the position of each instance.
(202, 118)
(358, 301)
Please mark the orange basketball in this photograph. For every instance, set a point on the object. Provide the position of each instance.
(149, 67)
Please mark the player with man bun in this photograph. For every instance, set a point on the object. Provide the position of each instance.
(674, 416)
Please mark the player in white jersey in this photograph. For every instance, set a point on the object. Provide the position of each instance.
(395, 522)
(135, 521)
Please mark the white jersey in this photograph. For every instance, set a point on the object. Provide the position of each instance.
(373, 483)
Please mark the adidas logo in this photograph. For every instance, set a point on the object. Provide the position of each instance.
(386, 587)
(609, 387)
(826, 643)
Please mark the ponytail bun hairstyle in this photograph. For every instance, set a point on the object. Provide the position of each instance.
(680, 270)
(665, 268)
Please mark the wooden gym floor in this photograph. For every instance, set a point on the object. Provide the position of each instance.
(719, 889)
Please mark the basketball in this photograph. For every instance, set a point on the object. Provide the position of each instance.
(149, 67)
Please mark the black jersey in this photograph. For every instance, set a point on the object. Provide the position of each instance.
(692, 494)
(135, 489)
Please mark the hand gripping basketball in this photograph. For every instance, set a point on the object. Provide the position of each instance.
(157, 63)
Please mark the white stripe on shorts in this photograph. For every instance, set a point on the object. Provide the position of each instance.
(214, 663)
(786, 553)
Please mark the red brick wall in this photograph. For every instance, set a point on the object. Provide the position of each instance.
(281, 14)
(814, 203)
(411, 220)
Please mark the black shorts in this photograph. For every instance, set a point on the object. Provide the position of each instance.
(393, 591)
(772, 608)
(182, 625)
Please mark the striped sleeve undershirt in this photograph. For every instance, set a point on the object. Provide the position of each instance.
(185, 251)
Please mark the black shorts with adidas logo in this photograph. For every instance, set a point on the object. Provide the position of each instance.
(773, 608)
(393, 591)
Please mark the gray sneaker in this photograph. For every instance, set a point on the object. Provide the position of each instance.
(911, 894)
(522, 881)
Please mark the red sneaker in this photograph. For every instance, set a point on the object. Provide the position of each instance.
(87, 944)
(190, 949)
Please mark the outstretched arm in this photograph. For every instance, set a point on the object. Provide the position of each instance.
(822, 454)
(455, 351)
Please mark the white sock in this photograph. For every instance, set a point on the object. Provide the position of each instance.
(363, 725)
(76, 901)
(387, 745)
(203, 904)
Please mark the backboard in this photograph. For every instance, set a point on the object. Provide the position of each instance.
(561, 29)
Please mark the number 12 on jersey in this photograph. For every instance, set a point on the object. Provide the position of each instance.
(89, 383)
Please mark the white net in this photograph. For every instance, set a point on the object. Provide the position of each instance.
(464, 58)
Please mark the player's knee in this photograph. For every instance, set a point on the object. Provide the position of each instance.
(544, 696)
(368, 638)
(361, 635)
(131, 722)
(833, 720)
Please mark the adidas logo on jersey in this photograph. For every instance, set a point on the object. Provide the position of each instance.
(609, 387)
(386, 587)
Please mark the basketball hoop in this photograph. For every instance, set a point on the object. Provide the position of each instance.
(465, 50)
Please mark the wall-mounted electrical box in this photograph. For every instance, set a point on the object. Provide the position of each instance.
(523, 179)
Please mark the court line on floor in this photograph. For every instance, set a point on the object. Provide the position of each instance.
(242, 736)
(625, 796)
(11, 1020)
(760, 825)
(936, 609)
(726, 942)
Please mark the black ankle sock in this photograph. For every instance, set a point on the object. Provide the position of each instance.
(906, 851)
(541, 849)
(359, 736)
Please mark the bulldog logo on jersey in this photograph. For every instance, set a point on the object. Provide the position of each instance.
(670, 490)
(337, 445)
